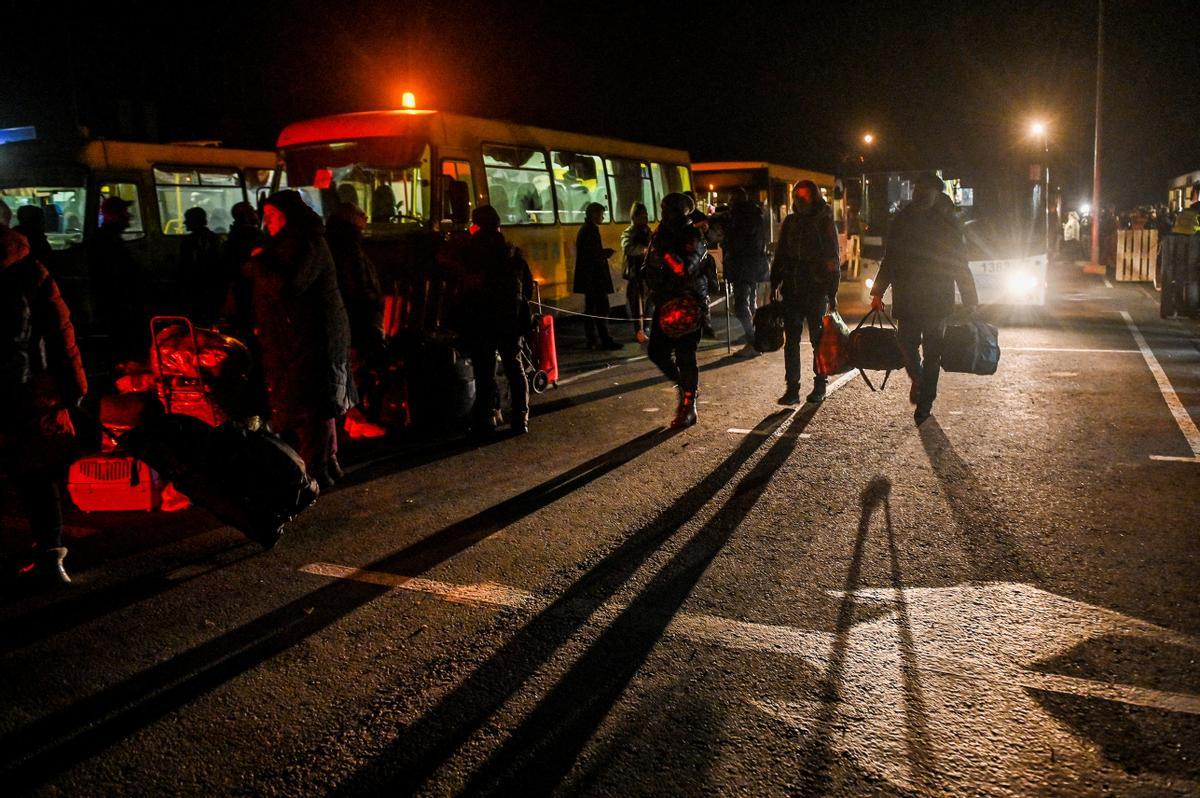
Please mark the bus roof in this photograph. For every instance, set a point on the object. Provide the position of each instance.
(789, 173)
(456, 130)
(134, 155)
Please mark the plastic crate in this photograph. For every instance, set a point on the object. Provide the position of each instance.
(114, 483)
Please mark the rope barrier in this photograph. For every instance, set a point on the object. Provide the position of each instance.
(558, 310)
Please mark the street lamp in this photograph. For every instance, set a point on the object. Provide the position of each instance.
(1038, 130)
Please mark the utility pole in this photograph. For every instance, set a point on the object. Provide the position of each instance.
(1095, 255)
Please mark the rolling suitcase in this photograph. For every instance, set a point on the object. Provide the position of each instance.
(971, 348)
(544, 349)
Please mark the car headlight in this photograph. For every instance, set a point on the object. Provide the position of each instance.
(1021, 282)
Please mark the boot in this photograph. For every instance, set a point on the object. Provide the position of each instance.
(685, 415)
(49, 567)
(791, 396)
(818, 392)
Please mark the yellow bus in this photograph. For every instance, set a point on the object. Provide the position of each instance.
(418, 174)
(69, 180)
(769, 183)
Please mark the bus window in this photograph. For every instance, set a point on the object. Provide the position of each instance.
(63, 210)
(214, 189)
(127, 191)
(630, 183)
(670, 179)
(461, 171)
(781, 200)
(518, 184)
(578, 182)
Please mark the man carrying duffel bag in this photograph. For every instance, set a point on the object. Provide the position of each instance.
(925, 258)
(806, 270)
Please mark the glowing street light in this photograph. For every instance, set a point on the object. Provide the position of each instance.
(1038, 129)
(868, 138)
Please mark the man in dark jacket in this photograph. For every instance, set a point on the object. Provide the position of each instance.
(245, 235)
(674, 274)
(497, 286)
(41, 376)
(32, 224)
(744, 256)
(118, 284)
(303, 333)
(359, 284)
(806, 270)
(200, 268)
(925, 259)
(593, 278)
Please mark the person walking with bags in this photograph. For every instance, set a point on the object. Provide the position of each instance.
(744, 256)
(924, 260)
(593, 279)
(674, 275)
(635, 240)
(805, 272)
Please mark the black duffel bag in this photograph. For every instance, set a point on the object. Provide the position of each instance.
(251, 480)
(768, 327)
(875, 347)
(972, 347)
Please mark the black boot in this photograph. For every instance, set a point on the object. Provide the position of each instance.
(685, 414)
(791, 396)
(818, 392)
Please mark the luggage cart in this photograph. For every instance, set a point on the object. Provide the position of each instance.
(180, 380)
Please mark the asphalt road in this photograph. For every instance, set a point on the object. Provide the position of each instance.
(824, 600)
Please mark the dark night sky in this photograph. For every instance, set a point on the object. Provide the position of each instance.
(940, 84)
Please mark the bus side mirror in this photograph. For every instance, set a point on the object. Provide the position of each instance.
(458, 194)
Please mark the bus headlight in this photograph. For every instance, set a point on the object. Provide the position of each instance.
(1021, 282)
(870, 283)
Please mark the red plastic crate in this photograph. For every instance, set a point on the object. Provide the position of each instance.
(114, 483)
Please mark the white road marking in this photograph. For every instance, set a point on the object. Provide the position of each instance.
(1071, 350)
(1063, 374)
(586, 374)
(491, 593)
(1180, 413)
(739, 431)
(931, 606)
(650, 409)
(1166, 458)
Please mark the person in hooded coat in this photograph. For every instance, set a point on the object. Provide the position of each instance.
(925, 259)
(805, 271)
(674, 273)
(303, 332)
(31, 223)
(593, 278)
(635, 240)
(41, 376)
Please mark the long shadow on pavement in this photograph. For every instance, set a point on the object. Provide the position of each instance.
(818, 756)
(990, 547)
(566, 718)
(35, 752)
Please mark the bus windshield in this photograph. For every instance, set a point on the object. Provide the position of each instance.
(389, 179)
(62, 210)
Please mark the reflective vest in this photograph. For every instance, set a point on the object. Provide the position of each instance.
(1187, 223)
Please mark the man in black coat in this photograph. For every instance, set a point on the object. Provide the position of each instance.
(744, 257)
(806, 271)
(497, 286)
(593, 278)
(925, 258)
(118, 283)
(200, 268)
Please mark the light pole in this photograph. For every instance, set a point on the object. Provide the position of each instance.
(1095, 253)
(865, 212)
(1038, 129)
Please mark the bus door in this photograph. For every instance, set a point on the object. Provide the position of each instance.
(133, 187)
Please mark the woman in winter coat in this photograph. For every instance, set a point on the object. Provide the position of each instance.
(593, 279)
(303, 333)
(41, 376)
(635, 240)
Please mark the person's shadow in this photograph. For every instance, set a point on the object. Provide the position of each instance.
(987, 538)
